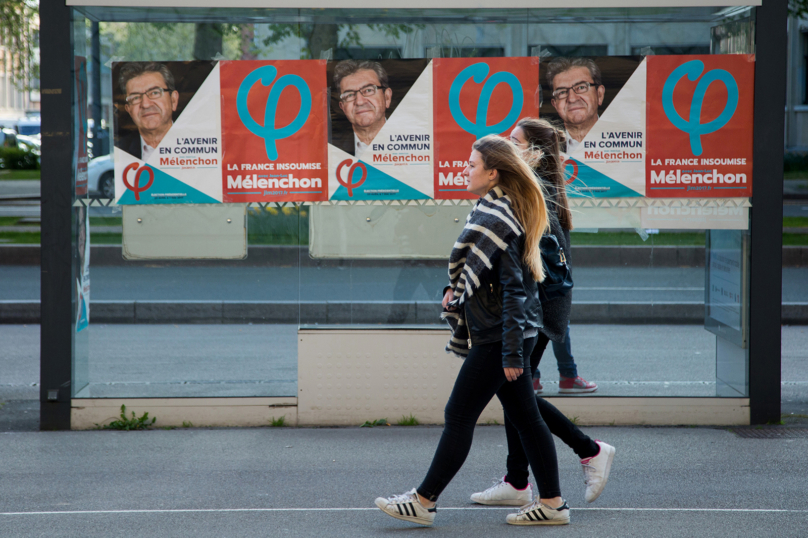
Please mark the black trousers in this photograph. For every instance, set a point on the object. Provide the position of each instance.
(559, 425)
(480, 378)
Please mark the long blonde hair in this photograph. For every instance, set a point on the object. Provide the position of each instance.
(517, 180)
(544, 154)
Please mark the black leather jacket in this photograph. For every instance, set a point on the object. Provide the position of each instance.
(505, 306)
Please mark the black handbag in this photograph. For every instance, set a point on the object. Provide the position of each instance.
(557, 272)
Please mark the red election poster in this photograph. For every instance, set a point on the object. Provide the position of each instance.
(475, 97)
(699, 124)
(274, 131)
(80, 125)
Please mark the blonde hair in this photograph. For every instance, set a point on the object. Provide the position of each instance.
(519, 182)
(543, 154)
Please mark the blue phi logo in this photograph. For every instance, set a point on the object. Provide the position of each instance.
(266, 74)
(694, 127)
(478, 72)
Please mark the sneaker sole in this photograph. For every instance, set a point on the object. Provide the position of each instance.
(537, 392)
(605, 474)
(543, 522)
(410, 519)
(576, 391)
(503, 502)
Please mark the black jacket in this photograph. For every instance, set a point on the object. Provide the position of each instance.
(556, 313)
(130, 144)
(505, 306)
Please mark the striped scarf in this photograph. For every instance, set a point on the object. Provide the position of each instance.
(489, 228)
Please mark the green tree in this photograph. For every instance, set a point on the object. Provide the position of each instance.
(798, 8)
(319, 38)
(18, 35)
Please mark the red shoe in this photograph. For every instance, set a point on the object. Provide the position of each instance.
(537, 388)
(577, 385)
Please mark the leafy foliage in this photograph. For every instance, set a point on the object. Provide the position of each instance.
(798, 8)
(795, 161)
(372, 423)
(125, 423)
(160, 41)
(408, 421)
(318, 38)
(18, 36)
(18, 159)
(278, 422)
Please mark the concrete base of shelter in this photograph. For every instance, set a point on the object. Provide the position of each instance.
(349, 376)
(89, 413)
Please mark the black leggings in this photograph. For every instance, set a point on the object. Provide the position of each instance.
(480, 378)
(559, 425)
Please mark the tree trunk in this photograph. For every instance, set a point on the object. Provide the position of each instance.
(207, 41)
(322, 38)
(247, 45)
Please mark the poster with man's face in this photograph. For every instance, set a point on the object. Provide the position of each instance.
(600, 104)
(380, 144)
(167, 132)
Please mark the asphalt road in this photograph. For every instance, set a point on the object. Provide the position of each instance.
(596, 284)
(290, 482)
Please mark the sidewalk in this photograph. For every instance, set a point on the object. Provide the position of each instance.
(287, 482)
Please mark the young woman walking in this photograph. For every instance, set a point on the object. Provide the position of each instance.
(540, 144)
(493, 309)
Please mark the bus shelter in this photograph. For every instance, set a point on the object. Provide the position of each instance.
(275, 241)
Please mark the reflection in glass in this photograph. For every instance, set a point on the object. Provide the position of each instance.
(375, 265)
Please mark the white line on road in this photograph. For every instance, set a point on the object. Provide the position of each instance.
(241, 510)
(603, 288)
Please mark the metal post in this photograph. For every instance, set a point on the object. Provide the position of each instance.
(56, 335)
(766, 263)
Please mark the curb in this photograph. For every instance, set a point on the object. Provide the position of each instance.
(286, 256)
(361, 312)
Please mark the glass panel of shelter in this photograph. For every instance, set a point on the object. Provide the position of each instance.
(245, 344)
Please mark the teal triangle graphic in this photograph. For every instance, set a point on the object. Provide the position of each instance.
(164, 189)
(83, 321)
(377, 186)
(589, 183)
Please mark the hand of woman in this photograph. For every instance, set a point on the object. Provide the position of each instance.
(447, 297)
(512, 373)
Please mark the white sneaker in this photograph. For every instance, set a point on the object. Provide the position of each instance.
(538, 513)
(596, 470)
(503, 494)
(407, 507)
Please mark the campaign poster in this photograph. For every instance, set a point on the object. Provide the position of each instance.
(600, 104)
(80, 156)
(275, 129)
(475, 97)
(381, 143)
(700, 126)
(168, 143)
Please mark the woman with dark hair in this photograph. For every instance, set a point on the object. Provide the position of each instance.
(493, 309)
(540, 143)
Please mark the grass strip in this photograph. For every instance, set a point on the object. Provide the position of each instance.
(19, 174)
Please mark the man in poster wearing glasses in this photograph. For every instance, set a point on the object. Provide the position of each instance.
(151, 100)
(364, 97)
(577, 92)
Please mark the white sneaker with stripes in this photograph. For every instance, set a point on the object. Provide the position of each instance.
(538, 513)
(407, 507)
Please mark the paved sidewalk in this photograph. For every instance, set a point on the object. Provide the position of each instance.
(666, 482)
